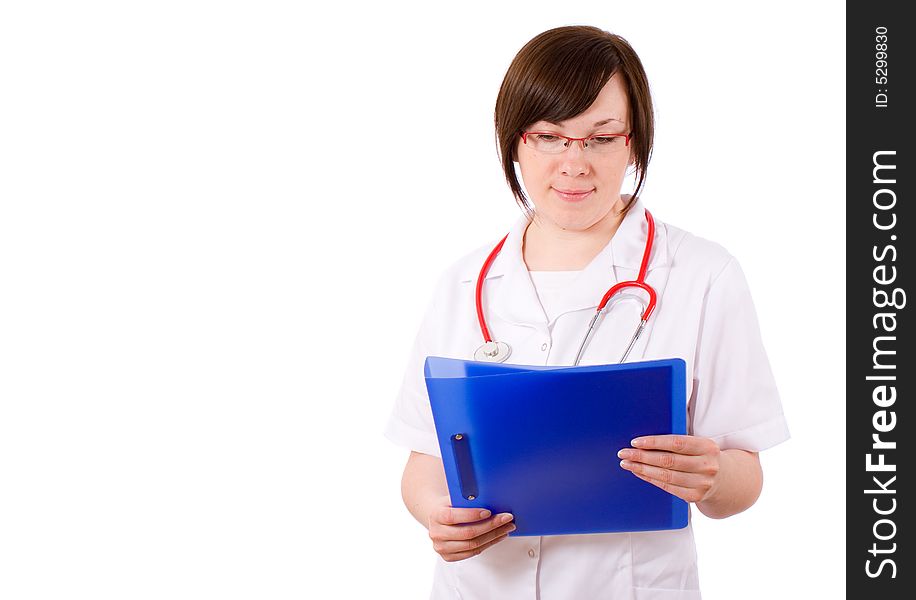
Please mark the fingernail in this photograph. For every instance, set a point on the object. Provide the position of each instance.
(636, 442)
(484, 514)
(512, 528)
(625, 464)
(506, 518)
(624, 453)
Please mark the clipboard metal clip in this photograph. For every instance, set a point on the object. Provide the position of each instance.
(461, 450)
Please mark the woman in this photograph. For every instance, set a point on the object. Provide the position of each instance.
(573, 113)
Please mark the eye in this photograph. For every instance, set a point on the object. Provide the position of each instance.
(545, 137)
(605, 140)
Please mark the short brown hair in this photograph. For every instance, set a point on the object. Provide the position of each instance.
(558, 75)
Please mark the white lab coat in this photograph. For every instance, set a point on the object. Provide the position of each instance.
(704, 315)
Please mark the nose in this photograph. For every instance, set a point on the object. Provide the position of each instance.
(573, 161)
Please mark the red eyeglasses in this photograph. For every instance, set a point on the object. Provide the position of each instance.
(554, 143)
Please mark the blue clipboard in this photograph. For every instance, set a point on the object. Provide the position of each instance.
(541, 442)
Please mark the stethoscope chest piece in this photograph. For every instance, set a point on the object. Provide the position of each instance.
(496, 352)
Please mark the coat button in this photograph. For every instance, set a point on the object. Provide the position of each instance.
(531, 552)
(543, 346)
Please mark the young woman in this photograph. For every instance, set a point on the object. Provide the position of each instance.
(573, 114)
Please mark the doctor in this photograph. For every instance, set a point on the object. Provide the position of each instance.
(573, 113)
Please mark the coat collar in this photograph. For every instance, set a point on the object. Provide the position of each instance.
(516, 299)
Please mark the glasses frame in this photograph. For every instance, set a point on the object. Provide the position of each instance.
(570, 140)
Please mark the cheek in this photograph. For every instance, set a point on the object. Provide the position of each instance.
(534, 175)
(617, 173)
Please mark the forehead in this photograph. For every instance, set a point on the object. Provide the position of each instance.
(610, 109)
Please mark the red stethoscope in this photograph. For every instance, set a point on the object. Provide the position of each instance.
(492, 351)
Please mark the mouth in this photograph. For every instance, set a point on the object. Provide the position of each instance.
(573, 195)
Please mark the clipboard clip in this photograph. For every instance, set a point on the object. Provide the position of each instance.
(461, 450)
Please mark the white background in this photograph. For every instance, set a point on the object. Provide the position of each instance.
(221, 222)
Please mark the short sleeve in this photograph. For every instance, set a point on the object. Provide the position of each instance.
(734, 401)
(411, 422)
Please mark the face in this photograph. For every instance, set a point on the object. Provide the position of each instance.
(577, 189)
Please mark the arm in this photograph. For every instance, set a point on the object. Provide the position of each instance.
(423, 486)
(737, 485)
(737, 403)
(722, 483)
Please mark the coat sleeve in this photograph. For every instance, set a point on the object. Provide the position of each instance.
(411, 422)
(734, 400)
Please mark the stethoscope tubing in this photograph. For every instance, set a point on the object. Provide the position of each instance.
(639, 282)
(478, 294)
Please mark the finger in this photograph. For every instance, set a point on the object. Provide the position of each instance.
(684, 493)
(679, 444)
(678, 478)
(467, 531)
(686, 463)
(475, 551)
(448, 515)
(461, 546)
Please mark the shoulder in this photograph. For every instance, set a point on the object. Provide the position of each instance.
(695, 256)
(461, 274)
(467, 267)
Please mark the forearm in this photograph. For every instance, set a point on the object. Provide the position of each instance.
(423, 486)
(737, 487)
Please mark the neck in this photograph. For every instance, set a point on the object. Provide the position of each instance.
(547, 247)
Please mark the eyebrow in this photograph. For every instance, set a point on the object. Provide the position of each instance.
(598, 124)
(606, 121)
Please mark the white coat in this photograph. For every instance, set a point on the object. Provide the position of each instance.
(704, 315)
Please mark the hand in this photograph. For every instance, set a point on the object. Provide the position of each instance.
(460, 533)
(683, 465)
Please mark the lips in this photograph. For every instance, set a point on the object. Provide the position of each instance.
(573, 195)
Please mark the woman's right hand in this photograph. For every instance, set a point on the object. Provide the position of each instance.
(460, 533)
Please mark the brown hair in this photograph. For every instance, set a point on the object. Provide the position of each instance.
(558, 75)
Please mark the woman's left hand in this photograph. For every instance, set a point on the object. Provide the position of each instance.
(683, 465)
